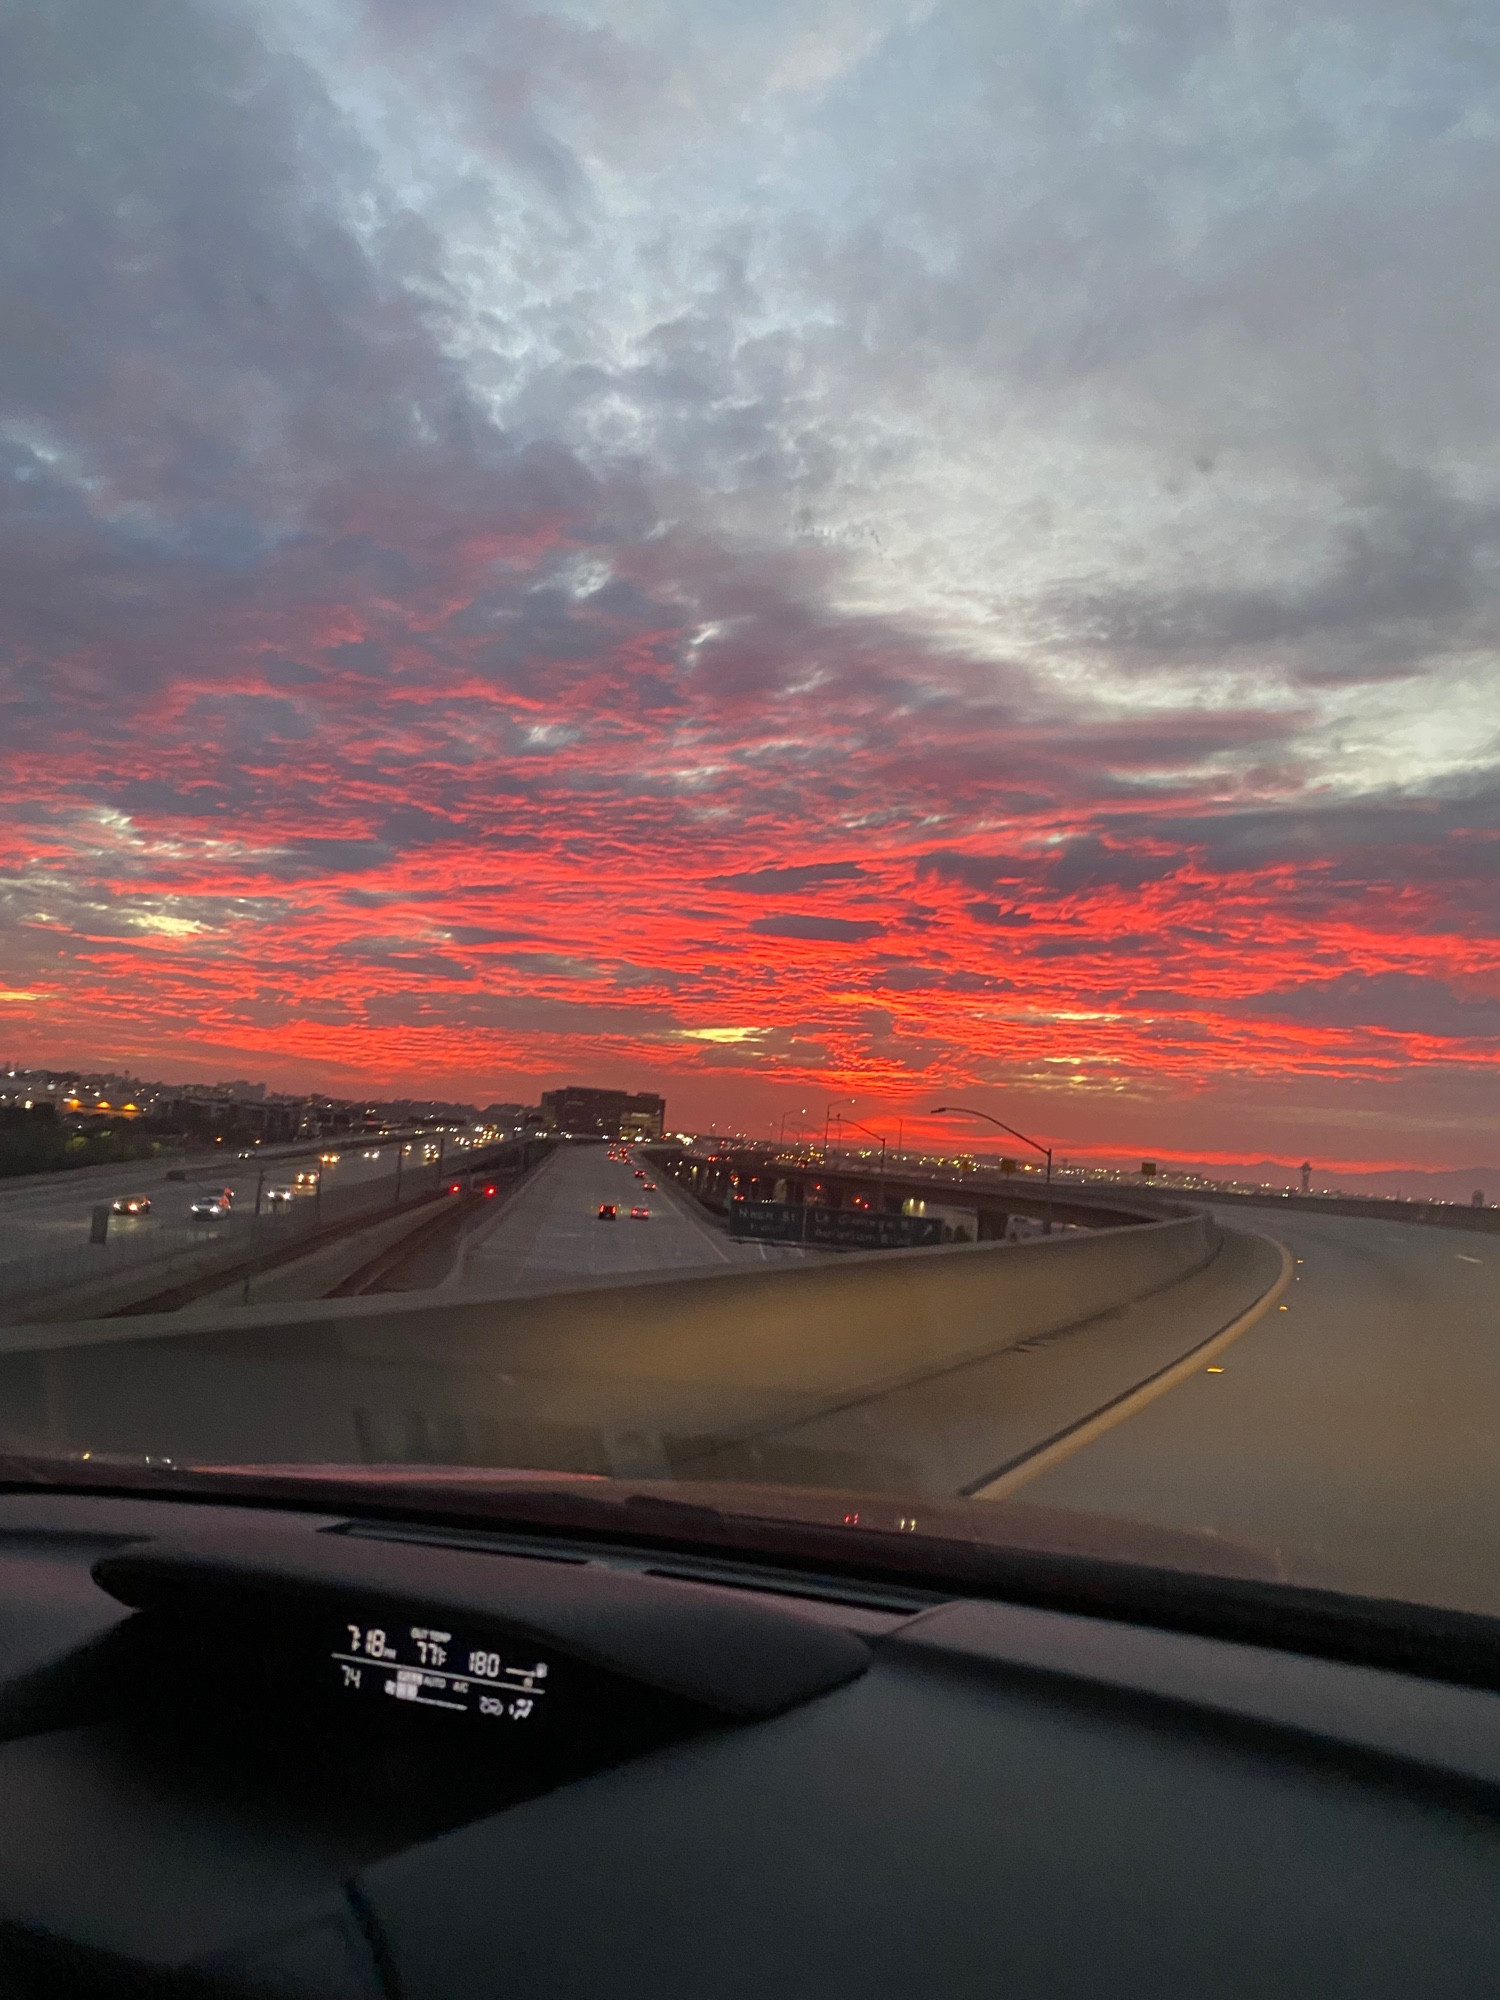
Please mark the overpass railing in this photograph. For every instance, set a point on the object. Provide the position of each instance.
(633, 1378)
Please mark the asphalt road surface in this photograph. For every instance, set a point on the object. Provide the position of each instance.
(1354, 1435)
(550, 1234)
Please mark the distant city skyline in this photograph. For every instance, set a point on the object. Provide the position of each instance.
(1448, 1183)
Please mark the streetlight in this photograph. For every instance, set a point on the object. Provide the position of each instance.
(788, 1114)
(966, 1111)
(828, 1114)
(842, 1121)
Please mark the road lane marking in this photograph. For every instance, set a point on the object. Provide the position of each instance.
(1031, 1465)
(1467, 1260)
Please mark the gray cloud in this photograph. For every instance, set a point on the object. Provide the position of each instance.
(817, 930)
(789, 880)
(454, 448)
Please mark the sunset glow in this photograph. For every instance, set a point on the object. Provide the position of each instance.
(570, 546)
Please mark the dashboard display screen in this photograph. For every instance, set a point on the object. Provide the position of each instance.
(432, 1667)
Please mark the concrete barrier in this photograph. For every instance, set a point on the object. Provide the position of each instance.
(603, 1379)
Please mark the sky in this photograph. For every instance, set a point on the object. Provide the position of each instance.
(852, 549)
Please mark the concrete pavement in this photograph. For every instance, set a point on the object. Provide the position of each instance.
(1353, 1435)
(550, 1235)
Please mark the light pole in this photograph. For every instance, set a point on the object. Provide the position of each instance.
(828, 1114)
(260, 1183)
(874, 1135)
(790, 1114)
(966, 1111)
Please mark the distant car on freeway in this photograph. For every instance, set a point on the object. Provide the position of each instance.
(640, 1215)
(277, 1195)
(131, 1204)
(648, 1187)
(330, 1159)
(307, 1180)
(607, 1211)
(640, 1173)
(372, 1152)
(209, 1207)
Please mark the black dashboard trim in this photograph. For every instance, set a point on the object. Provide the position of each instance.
(729, 1656)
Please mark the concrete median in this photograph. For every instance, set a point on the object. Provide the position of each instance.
(613, 1378)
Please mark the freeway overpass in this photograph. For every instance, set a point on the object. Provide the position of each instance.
(1319, 1393)
(1353, 1434)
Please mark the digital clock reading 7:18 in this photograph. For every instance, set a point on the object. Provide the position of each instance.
(434, 1669)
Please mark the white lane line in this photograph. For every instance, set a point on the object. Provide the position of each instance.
(1042, 1459)
(1467, 1260)
(682, 1213)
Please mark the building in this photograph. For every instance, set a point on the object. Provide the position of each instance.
(603, 1114)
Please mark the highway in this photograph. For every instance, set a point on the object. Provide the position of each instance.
(1354, 1436)
(47, 1216)
(1351, 1435)
(550, 1235)
(1348, 1437)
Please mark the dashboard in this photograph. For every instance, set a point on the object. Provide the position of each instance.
(266, 1751)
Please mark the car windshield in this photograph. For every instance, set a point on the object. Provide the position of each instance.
(861, 637)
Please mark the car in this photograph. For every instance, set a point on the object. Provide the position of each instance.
(307, 1180)
(372, 1153)
(648, 1187)
(209, 1208)
(607, 1211)
(276, 1196)
(640, 1173)
(131, 1204)
(640, 1215)
(330, 1159)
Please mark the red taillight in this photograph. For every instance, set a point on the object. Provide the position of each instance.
(489, 1190)
(454, 1188)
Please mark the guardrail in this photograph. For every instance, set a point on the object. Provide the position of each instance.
(616, 1377)
(721, 1182)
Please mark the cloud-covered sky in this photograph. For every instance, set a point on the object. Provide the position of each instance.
(838, 547)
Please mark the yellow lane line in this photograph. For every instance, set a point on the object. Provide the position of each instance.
(1056, 1449)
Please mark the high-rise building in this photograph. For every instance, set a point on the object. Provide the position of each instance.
(604, 1114)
